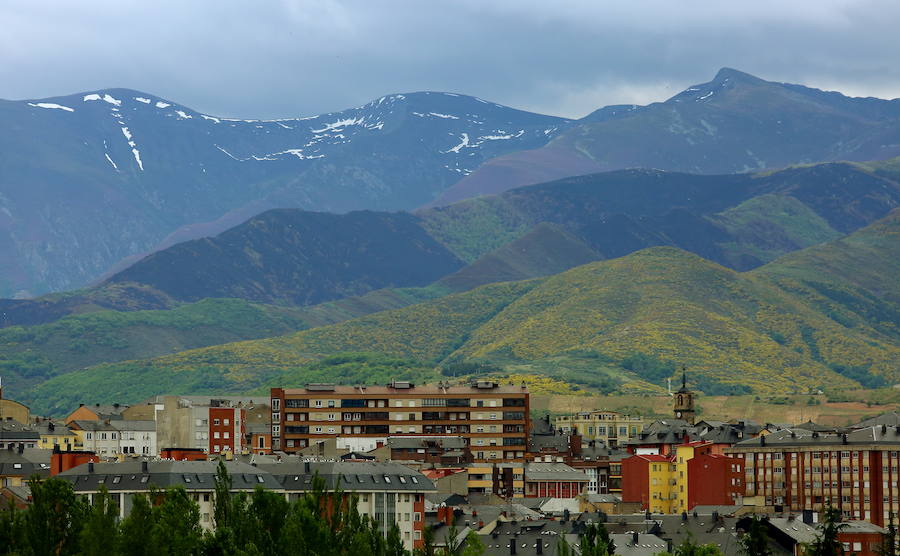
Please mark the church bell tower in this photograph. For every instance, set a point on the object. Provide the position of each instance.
(684, 400)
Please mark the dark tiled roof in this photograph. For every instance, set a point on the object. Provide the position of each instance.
(192, 475)
(802, 437)
(350, 476)
(891, 419)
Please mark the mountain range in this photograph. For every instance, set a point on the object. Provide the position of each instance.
(734, 123)
(803, 321)
(93, 179)
(93, 182)
(228, 255)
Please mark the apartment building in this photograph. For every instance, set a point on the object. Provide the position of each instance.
(215, 425)
(387, 492)
(120, 436)
(694, 475)
(493, 419)
(506, 480)
(609, 427)
(792, 470)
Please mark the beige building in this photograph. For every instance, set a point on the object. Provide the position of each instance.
(492, 418)
(610, 427)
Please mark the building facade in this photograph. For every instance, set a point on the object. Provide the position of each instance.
(692, 476)
(493, 419)
(116, 437)
(793, 470)
(609, 427)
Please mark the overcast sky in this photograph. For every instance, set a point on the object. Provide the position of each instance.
(260, 59)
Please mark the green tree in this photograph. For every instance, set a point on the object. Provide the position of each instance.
(826, 543)
(474, 546)
(689, 547)
(101, 527)
(136, 529)
(889, 547)
(755, 541)
(176, 528)
(53, 521)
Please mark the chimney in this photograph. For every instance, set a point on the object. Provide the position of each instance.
(762, 440)
(635, 538)
(539, 549)
(844, 438)
(90, 467)
(512, 545)
(306, 467)
(145, 467)
(21, 448)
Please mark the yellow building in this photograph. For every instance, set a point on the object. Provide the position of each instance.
(661, 475)
(57, 434)
(609, 427)
(502, 479)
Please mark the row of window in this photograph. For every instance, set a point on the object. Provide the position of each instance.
(424, 402)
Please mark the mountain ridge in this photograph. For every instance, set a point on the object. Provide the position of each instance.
(752, 329)
(94, 178)
(705, 129)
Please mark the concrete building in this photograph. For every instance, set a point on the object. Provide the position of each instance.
(56, 433)
(212, 424)
(503, 479)
(96, 412)
(793, 470)
(117, 437)
(554, 480)
(494, 419)
(14, 435)
(125, 479)
(12, 410)
(442, 450)
(17, 465)
(609, 427)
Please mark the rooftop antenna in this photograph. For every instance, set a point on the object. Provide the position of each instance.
(684, 377)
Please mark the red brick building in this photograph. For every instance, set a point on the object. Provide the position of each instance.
(226, 429)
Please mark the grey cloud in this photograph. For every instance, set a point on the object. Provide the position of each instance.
(270, 59)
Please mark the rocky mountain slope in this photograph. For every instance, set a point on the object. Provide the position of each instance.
(734, 123)
(95, 178)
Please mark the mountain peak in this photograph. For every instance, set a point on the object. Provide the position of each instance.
(734, 75)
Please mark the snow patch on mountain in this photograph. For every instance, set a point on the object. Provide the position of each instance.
(111, 161)
(51, 105)
(464, 142)
(182, 115)
(161, 104)
(142, 99)
(339, 125)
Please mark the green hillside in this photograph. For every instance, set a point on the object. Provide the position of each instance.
(630, 319)
(30, 355)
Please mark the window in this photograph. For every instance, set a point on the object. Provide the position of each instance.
(215, 422)
(226, 435)
(216, 434)
(226, 422)
(318, 403)
(276, 404)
